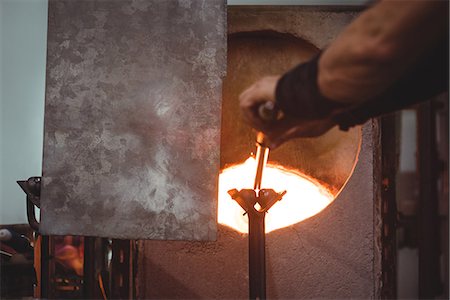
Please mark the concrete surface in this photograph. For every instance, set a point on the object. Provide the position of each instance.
(334, 255)
(331, 255)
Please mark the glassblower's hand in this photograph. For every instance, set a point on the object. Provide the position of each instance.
(283, 129)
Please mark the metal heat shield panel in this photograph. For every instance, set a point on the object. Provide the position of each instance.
(132, 118)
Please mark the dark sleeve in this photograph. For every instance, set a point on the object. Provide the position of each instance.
(297, 93)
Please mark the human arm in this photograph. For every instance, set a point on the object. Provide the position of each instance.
(378, 47)
(371, 58)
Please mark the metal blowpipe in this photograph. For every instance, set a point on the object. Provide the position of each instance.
(268, 113)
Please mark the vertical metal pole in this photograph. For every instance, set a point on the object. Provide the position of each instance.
(45, 268)
(428, 235)
(256, 234)
(389, 206)
(122, 276)
(89, 280)
(257, 254)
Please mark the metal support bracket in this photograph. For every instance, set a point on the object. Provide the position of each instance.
(32, 187)
(248, 199)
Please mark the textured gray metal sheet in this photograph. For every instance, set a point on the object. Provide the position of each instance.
(132, 118)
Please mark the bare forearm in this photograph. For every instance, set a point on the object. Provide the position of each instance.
(393, 55)
(378, 47)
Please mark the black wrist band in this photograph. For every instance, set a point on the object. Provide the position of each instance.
(297, 93)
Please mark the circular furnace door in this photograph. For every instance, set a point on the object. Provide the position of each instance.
(311, 170)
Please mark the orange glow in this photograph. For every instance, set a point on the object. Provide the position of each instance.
(304, 197)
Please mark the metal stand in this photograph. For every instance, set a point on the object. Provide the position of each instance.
(101, 277)
(248, 199)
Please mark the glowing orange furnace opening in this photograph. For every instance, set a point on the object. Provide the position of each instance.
(304, 197)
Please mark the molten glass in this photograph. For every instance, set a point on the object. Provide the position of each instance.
(304, 197)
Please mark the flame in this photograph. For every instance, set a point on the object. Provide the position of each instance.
(304, 197)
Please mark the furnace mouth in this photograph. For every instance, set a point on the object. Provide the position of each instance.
(302, 198)
(313, 171)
